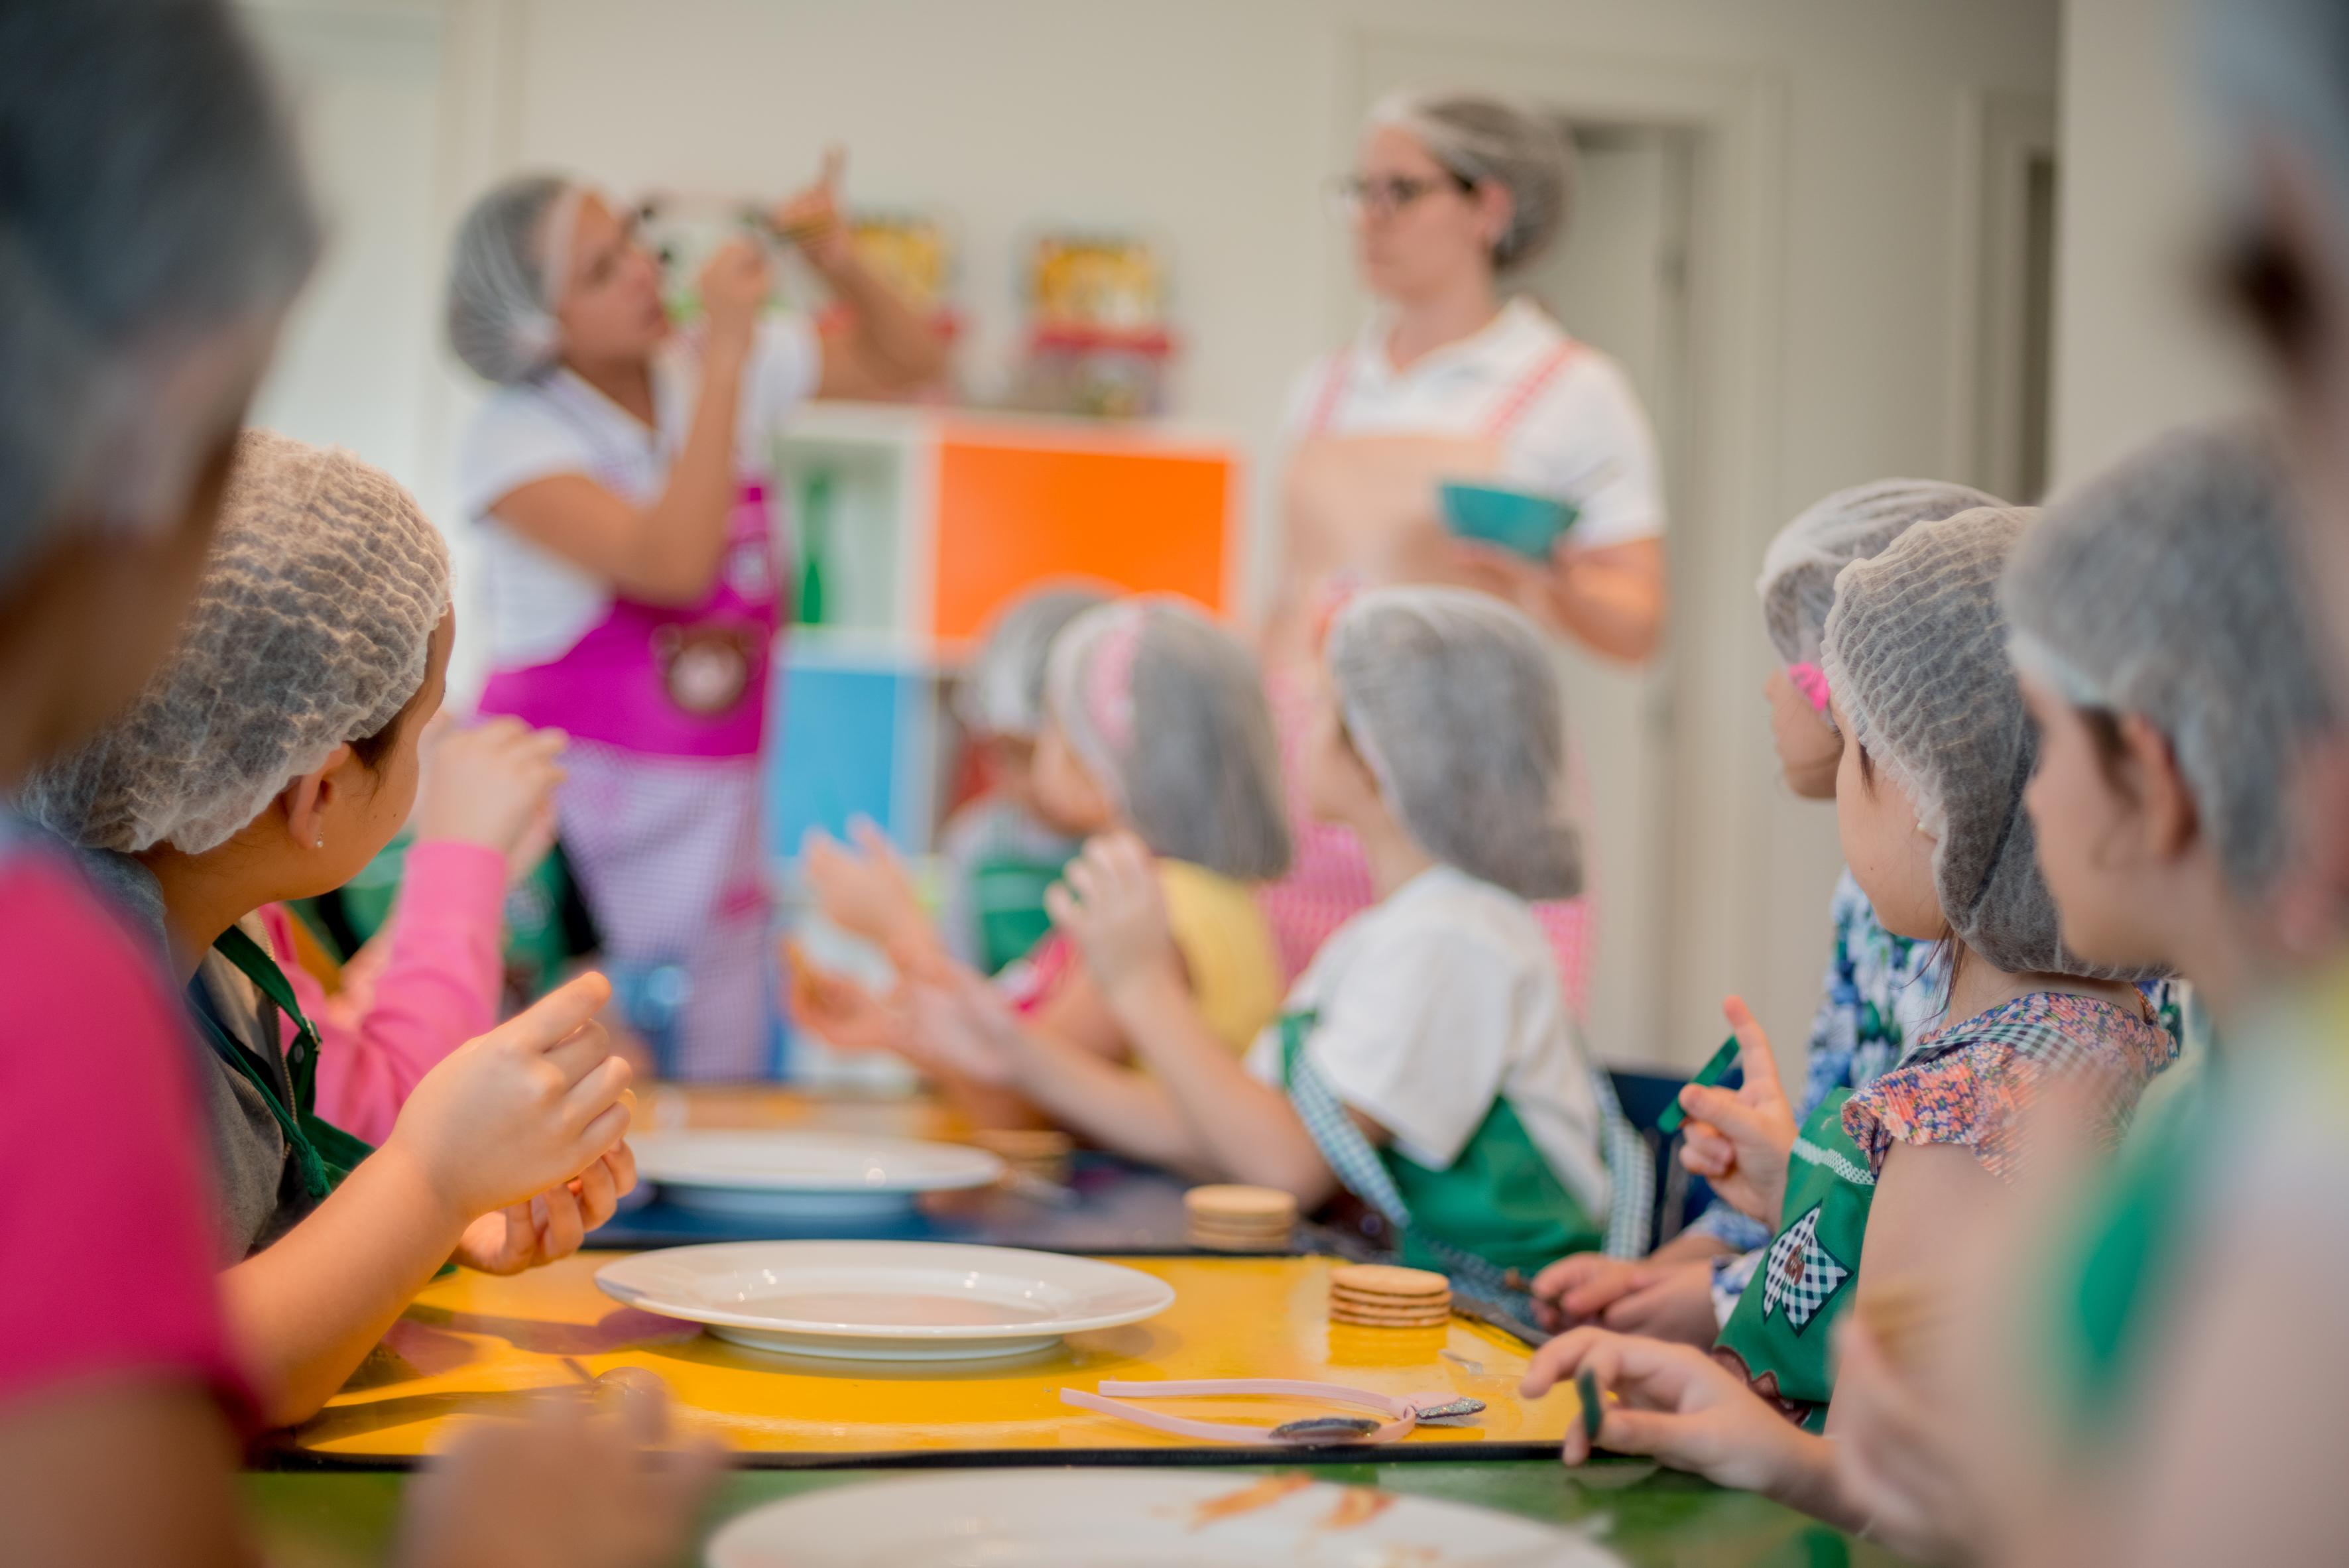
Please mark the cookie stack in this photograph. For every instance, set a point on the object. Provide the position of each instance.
(1380, 1296)
(1227, 1219)
(1039, 1151)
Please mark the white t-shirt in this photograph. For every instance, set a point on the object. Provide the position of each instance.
(1436, 1001)
(538, 603)
(1583, 439)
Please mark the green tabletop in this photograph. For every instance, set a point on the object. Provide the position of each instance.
(329, 1520)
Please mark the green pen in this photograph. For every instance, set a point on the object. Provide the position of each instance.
(1594, 1408)
(1710, 1075)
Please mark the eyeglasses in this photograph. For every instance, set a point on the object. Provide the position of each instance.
(1352, 195)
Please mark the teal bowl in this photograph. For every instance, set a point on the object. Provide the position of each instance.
(1514, 519)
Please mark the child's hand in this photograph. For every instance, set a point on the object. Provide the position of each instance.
(1740, 1141)
(528, 1106)
(1677, 1404)
(1108, 903)
(869, 894)
(961, 1027)
(554, 1224)
(491, 784)
(567, 1489)
(811, 217)
(839, 1011)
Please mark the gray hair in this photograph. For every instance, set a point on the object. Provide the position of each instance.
(1798, 571)
(310, 629)
(1452, 702)
(2168, 588)
(150, 196)
(1916, 655)
(505, 277)
(1487, 140)
(1003, 689)
(1168, 710)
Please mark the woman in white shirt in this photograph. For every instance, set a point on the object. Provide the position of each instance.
(620, 477)
(1450, 194)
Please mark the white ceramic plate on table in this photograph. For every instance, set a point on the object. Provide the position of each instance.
(885, 1301)
(804, 1175)
(1136, 1518)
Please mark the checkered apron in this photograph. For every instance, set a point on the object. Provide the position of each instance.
(1778, 1335)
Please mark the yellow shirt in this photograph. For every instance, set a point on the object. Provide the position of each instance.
(1227, 948)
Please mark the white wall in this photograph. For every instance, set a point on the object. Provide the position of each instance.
(2138, 349)
(1214, 123)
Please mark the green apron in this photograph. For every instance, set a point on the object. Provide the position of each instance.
(1778, 1337)
(323, 1152)
(1007, 896)
(1497, 1211)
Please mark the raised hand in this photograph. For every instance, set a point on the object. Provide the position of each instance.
(1108, 903)
(491, 784)
(1740, 1140)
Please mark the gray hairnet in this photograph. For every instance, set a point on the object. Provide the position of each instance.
(1916, 655)
(1168, 710)
(1002, 687)
(2166, 588)
(1452, 700)
(1527, 153)
(148, 199)
(1799, 570)
(2280, 67)
(310, 629)
(503, 277)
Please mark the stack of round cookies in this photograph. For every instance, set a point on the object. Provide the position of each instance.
(1031, 1151)
(1228, 1219)
(1380, 1296)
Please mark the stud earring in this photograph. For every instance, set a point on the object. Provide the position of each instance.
(322, 840)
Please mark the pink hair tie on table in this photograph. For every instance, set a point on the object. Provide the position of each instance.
(1404, 1411)
(1812, 681)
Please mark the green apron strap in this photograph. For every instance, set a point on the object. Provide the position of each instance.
(324, 1152)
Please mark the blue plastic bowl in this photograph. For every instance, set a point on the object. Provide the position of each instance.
(1514, 519)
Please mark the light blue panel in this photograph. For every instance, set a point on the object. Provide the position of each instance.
(841, 734)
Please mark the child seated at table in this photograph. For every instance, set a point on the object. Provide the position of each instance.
(998, 853)
(1880, 992)
(1424, 1063)
(272, 754)
(1155, 726)
(1929, 804)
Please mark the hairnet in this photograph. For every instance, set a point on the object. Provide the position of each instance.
(1915, 655)
(1799, 570)
(1451, 698)
(148, 199)
(504, 273)
(1486, 140)
(1169, 711)
(2166, 588)
(310, 629)
(1002, 687)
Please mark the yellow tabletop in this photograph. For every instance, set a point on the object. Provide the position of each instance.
(474, 1346)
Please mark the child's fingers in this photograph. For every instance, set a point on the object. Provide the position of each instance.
(1705, 1152)
(1062, 906)
(596, 1098)
(581, 1052)
(1754, 1050)
(1566, 1274)
(598, 1198)
(561, 1228)
(554, 1017)
(1556, 1360)
(622, 1163)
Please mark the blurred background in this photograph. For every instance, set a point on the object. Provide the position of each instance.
(1828, 239)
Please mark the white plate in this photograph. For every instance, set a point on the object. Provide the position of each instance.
(819, 1175)
(1127, 1518)
(885, 1301)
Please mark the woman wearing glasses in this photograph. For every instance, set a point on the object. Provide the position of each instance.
(1451, 379)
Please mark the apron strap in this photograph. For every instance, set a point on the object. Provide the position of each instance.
(1520, 398)
(1338, 371)
(324, 1152)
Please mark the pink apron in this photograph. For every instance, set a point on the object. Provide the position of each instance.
(1362, 509)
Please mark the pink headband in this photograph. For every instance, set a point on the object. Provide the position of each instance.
(1109, 680)
(1812, 681)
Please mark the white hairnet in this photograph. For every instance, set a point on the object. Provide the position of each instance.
(2166, 588)
(310, 629)
(1527, 153)
(505, 272)
(1169, 711)
(1799, 570)
(149, 198)
(1003, 689)
(1451, 698)
(1916, 655)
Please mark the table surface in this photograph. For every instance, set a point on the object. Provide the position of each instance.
(345, 1516)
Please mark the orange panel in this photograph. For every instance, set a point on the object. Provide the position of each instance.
(1012, 513)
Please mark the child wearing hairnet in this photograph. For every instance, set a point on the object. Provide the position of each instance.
(1880, 991)
(271, 756)
(1928, 802)
(1155, 724)
(998, 852)
(1424, 1065)
(2164, 814)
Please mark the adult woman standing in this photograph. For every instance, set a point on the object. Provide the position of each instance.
(1450, 194)
(620, 477)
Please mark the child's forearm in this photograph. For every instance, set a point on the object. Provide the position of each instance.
(1113, 1106)
(1807, 1480)
(306, 1312)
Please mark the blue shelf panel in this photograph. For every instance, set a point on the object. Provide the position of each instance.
(850, 741)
